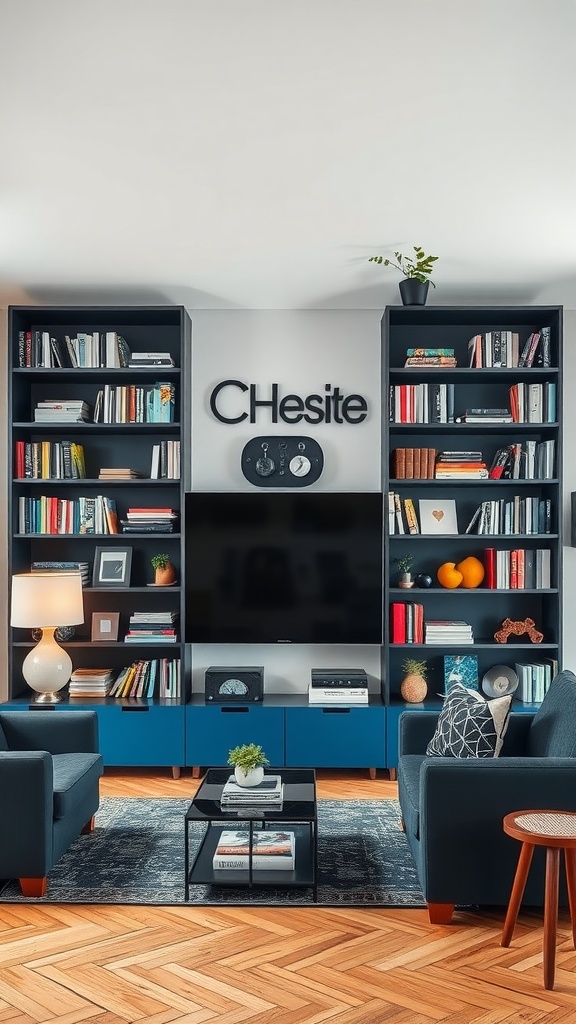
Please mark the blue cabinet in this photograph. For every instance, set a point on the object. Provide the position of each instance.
(336, 737)
(212, 730)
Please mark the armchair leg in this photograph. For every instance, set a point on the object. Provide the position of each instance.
(440, 913)
(33, 886)
(89, 826)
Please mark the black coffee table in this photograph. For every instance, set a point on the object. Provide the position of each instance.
(298, 808)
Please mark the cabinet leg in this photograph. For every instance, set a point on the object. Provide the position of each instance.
(175, 771)
(196, 771)
(440, 913)
(393, 774)
(372, 773)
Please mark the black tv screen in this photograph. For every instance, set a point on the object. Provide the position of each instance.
(284, 567)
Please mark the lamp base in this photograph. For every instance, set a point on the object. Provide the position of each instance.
(48, 698)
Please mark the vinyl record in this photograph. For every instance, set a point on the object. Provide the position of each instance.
(499, 681)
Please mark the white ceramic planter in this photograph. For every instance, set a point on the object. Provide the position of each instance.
(253, 778)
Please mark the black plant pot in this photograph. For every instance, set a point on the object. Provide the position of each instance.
(413, 291)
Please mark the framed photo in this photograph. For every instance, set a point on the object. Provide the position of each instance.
(437, 516)
(112, 567)
(105, 625)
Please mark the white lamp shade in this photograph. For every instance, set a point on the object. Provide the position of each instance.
(47, 600)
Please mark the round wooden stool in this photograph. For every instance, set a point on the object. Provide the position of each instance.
(556, 830)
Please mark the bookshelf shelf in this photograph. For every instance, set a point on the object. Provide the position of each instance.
(159, 738)
(467, 388)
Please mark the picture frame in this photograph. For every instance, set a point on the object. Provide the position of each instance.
(105, 625)
(438, 516)
(112, 567)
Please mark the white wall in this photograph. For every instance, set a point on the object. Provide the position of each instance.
(302, 351)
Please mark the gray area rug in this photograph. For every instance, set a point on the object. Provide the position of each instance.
(136, 855)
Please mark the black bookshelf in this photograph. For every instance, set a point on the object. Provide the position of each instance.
(473, 387)
(155, 734)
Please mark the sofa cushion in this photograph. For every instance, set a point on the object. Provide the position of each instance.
(74, 777)
(552, 731)
(3, 743)
(470, 726)
(409, 791)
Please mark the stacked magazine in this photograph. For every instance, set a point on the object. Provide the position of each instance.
(272, 851)
(268, 794)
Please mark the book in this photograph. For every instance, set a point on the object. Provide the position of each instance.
(273, 851)
(269, 789)
(461, 668)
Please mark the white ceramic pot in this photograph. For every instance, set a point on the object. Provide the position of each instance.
(253, 778)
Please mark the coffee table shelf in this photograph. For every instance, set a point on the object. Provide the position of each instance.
(299, 809)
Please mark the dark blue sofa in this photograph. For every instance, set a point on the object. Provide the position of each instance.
(49, 789)
(452, 809)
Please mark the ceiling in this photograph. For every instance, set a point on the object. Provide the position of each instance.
(253, 153)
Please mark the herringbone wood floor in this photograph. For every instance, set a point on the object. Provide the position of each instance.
(189, 965)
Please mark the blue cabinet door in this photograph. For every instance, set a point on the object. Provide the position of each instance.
(336, 737)
(139, 734)
(212, 731)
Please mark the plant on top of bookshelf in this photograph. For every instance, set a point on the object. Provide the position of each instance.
(416, 270)
(249, 761)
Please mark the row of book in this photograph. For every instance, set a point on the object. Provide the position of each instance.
(49, 460)
(525, 515)
(534, 680)
(524, 460)
(158, 677)
(407, 626)
(135, 403)
(533, 403)
(421, 403)
(44, 514)
(501, 348)
(155, 627)
(165, 464)
(95, 349)
(520, 569)
(266, 849)
(413, 463)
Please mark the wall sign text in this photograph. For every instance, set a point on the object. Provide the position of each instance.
(331, 407)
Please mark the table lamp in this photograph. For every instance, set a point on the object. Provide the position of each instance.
(46, 601)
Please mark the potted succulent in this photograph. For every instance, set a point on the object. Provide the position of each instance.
(416, 270)
(405, 563)
(248, 760)
(165, 573)
(414, 687)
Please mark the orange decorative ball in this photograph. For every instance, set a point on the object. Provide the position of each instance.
(449, 576)
(472, 572)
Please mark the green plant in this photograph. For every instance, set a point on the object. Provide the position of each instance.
(414, 667)
(247, 757)
(160, 561)
(404, 562)
(418, 266)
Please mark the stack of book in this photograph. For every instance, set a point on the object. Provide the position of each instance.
(271, 851)
(114, 473)
(58, 567)
(152, 628)
(485, 416)
(430, 357)
(151, 359)
(268, 794)
(91, 682)
(149, 520)
(64, 410)
(448, 631)
(461, 465)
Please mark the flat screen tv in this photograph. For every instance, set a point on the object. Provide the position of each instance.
(283, 567)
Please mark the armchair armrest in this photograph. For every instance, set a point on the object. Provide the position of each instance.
(26, 811)
(58, 732)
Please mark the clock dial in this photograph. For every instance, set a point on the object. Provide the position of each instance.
(233, 687)
(300, 465)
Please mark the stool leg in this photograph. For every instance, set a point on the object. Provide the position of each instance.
(524, 862)
(550, 913)
(570, 865)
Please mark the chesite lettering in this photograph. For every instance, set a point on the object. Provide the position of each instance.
(331, 407)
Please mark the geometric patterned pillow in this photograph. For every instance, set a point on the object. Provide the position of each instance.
(469, 725)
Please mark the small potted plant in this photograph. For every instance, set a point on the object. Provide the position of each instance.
(248, 760)
(405, 563)
(414, 687)
(416, 270)
(165, 573)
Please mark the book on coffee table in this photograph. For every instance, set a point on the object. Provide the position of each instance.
(271, 850)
